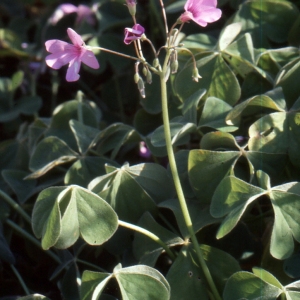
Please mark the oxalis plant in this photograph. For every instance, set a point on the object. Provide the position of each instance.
(181, 181)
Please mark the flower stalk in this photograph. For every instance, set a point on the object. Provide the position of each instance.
(176, 179)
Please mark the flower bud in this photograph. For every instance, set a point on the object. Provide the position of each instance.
(136, 77)
(196, 75)
(155, 62)
(149, 77)
(141, 87)
(174, 66)
(131, 4)
(145, 71)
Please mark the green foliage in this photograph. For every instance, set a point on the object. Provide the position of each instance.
(86, 172)
(61, 215)
(134, 282)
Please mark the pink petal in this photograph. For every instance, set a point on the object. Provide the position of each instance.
(209, 3)
(210, 14)
(201, 11)
(189, 4)
(186, 16)
(133, 33)
(75, 37)
(67, 8)
(137, 32)
(200, 22)
(61, 11)
(88, 58)
(139, 28)
(85, 13)
(57, 60)
(54, 46)
(73, 70)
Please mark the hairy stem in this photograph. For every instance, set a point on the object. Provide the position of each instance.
(176, 180)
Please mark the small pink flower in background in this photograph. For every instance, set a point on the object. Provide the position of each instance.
(134, 33)
(64, 53)
(144, 151)
(83, 13)
(201, 12)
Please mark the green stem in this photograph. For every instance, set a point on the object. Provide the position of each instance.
(20, 280)
(177, 183)
(54, 90)
(15, 206)
(112, 52)
(79, 97)
(149, 234)
(31, 239)
(154, 11)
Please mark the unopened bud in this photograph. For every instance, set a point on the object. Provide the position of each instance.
(174, 66)
(196, 75)
(149, 77)
(155, 62)
(141, 87)
(145, 71)
(136, 77)
(131, 4)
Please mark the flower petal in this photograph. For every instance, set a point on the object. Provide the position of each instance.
(57, 60)
(189, 4)
(88, 58)
(67, 8)
(186, 16)
(73, 70)
(139, 28)
(209, 3)
(210, 14)
(61, 11)
(201, 12)
(54, 46)
(85, 13)
(75, 37)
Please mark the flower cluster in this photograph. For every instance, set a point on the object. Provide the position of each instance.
(62, 53)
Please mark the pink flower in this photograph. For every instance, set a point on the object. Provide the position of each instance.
(201, 12)
(64, 53)
(144, 151)
(83, 13)
(134, 33)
